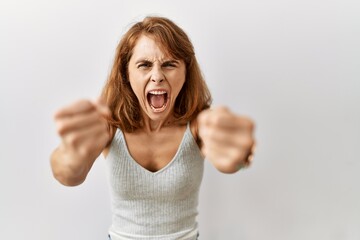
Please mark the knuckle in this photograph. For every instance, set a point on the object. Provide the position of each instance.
(61, 127)
(93, 115)
(56, 115)
(73, 140)
(249, 123)
(216, 119)
(222, 109)
(247, 143)
(84, 102)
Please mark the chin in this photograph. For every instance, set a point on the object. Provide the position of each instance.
(157, 114)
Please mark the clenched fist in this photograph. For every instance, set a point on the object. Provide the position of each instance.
(85, 133)
(228, 141)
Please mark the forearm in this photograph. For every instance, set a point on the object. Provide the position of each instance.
(71, 168)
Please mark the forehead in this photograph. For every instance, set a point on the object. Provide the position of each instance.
(147, 48)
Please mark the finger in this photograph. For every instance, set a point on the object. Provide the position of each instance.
(214, 118)
(224, 155)
(102, 107)
(97, 142)
(222, 118)
(76, 139)
(81, 106)
(237, 149)
(76, 122)
(233, 152)
(249, 156)
(226, 137)
(226, 158)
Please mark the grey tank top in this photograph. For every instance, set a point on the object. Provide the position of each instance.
(154, 205)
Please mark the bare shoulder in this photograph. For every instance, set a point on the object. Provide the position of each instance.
(195, 131)
(194, 127)
(106, 150)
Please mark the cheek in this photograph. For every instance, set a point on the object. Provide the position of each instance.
(178, 84)
(136, 85)
(137, 89)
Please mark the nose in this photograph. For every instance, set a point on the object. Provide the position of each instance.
(157, 76)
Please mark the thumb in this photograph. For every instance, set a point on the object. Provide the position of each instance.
(101, 106)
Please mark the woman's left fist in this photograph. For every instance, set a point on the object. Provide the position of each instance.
(228, 141)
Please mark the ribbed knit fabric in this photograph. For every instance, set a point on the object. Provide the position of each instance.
(154, 205)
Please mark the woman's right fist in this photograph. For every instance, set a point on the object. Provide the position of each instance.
(83, 128)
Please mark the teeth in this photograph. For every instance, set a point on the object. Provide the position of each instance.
(154, 92)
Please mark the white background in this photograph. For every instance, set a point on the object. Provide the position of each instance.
(293, 66)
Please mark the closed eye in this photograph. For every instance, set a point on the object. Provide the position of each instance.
(169, 64)
(145, 64)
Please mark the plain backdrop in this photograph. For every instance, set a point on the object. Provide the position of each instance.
(292, 66)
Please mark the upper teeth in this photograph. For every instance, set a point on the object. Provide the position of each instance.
(157, 92)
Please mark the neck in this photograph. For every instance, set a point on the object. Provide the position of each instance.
(153, 126)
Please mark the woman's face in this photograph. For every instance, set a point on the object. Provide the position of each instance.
(156, 78)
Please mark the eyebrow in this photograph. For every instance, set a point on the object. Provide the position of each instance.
(148, 61)
(142, 60)
(170, 61)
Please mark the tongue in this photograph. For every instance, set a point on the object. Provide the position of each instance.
(157, 101)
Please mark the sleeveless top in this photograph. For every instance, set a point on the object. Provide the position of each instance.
(154, 205)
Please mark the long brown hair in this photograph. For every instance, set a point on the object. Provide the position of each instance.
(118, 94)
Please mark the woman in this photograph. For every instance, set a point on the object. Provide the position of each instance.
(154, 126)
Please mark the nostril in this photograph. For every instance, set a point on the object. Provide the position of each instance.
(157, 80)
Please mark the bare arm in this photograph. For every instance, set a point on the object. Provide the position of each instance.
(228, 141)
(85, 134)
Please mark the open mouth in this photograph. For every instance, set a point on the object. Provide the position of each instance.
(157, 100)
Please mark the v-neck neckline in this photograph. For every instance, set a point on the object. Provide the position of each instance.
(138, 165)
